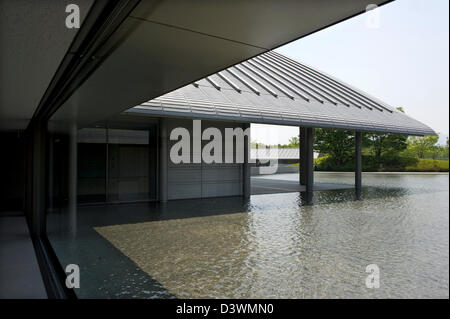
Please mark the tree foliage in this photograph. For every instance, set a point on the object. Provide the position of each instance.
(380, 150)
(391, 144)
(423, 146)
(338, 144)
(294, 142)
(382, 143)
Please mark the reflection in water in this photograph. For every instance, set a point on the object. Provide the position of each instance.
(269, 247)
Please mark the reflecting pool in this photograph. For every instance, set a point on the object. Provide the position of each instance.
(271, 246)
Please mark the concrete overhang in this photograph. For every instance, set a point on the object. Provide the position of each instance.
(33, 43)
(160, 46)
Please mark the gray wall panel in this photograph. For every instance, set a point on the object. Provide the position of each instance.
(202, 180)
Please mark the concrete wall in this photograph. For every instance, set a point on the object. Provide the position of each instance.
(202, 180)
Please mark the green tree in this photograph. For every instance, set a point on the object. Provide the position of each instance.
(386, 143)
(338, 144)
(294, 141)
(435, 151)
(380, 143)
(423, 145)
(446, 149)
(439, 151)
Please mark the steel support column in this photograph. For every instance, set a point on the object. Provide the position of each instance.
(73, 178)
(163, 160)
(309, 163)
(358, 164)
(302, 164)
(246, 185)
(37, 189)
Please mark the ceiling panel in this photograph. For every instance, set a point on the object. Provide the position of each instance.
(161, 46)
(262, 23)
(33, 42)
(153, 59)
(164, 45)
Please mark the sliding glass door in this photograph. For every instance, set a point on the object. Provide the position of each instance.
(128, 165)
(91, 170)
(116, 165)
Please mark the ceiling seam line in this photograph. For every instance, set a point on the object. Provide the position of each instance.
(198, 32)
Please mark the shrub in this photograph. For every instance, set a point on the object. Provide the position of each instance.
(327, 163)
(403, 163)
(428, 165)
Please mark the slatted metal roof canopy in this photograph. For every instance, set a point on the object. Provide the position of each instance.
(274, 89)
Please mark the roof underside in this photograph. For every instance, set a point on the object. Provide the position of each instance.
(274, 89)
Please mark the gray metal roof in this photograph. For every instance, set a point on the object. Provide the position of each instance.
(274, 89)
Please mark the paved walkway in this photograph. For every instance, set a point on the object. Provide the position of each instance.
(20, 277)
(264, 185)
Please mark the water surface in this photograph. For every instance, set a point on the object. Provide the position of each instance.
(271, 246)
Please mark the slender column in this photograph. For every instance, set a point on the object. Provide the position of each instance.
(302, 163)
(107, 163)
(246, 186)
(50, 173)
(309, 163)
(37, 189)
(73, 179)
(358, 164)
(163, 160)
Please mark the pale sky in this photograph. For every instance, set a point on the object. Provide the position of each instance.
(404, 62)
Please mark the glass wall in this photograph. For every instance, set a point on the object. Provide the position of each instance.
(95, 175)
(115, 165)
(129, 165)
(92, 165)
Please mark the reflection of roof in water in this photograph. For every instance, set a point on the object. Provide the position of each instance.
(276, 153)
